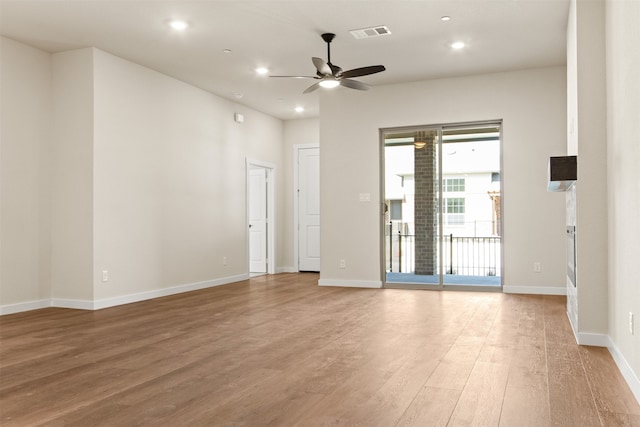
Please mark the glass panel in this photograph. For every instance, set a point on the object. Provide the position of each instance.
(443, 197)
(471, 210)
(412, 194)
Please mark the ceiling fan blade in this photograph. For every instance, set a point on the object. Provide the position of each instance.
(354, 84)
(298, 77)
(364, 71)
(321, 66)
(312, 87)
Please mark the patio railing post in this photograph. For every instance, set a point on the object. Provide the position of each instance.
(390, 246)
(451, 253)
(399, 252)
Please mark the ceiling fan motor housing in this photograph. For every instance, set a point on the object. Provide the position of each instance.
(328, 37)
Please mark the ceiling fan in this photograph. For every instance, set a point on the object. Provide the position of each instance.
(330, 75)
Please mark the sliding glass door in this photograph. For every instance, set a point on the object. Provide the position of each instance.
(442, 193)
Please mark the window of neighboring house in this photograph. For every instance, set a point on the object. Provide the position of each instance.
(453, 185)
(395, 210)
(453, 206)
(454, 211)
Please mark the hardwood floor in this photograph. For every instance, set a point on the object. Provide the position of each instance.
(279, 350)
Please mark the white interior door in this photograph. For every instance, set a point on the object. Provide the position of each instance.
(309, 209)
(258, 220)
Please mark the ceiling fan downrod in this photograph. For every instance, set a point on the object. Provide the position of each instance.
(328, 38)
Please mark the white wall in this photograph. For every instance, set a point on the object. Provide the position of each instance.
(72, 175)
(532, 105)
(623, 175)
(146, 180)
(586, 117)
(25, 244)
(170, 179)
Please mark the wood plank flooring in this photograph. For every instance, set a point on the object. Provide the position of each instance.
(281, 351)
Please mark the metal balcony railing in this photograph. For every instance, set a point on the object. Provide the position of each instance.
(465, 256)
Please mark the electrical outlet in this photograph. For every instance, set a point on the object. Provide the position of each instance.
(631, 323)
(343, 264)
(537, 267)
(105, 275)
(224, 260)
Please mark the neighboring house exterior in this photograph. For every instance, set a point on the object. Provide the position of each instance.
(470, 207)
(470, 188)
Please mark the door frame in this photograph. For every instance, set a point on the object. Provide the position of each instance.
(382, 132)
(270, 170)
(296, 215)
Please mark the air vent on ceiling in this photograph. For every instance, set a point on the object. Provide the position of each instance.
(363, 33)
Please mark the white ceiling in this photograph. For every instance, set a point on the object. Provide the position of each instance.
(500, 35)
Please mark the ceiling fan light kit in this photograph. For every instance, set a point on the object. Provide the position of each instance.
(329, 83)
(331, 76)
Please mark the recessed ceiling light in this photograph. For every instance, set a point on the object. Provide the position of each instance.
(445, 18)
(226, 50)
(457, 45)
(178, 25)
(238, 95)
(262, 70)
(299, 109)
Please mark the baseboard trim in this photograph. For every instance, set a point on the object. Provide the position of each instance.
(625, 369)
(596, 340)
(286, 270)
(601, 340)
(119, 300)
(373, 284)
(77, 304)
(535, 290)
(589, 338)
(158, 293)
(24, 306)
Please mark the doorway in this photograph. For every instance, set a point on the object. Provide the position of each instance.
(442, 221)
(306, 209)
(260, 217)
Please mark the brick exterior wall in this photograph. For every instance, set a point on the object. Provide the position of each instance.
(426, 205)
